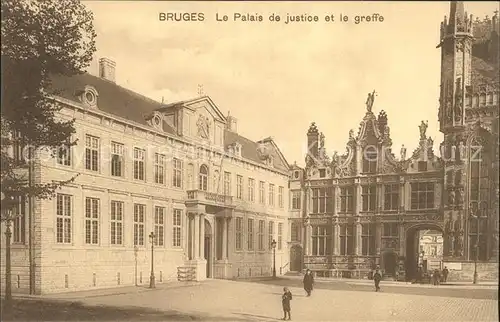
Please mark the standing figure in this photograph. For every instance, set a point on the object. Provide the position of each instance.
(436, 277)
(308, 282)
(285, 300)
(445, 274)
(377, 277)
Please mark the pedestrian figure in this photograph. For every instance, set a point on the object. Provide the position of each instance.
(377, 277)
(445, 274)
(285, 300)
(436, 277)
(308, 282)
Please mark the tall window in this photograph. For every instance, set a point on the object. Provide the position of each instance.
(91, 153)
(92, 221)
(159, 168)
(368, 239)
(391, 197)
(19, 147)
(368, 194)
(139, 216)
(203, 178)
(177, 228)
(64, 219)
(262, 192)
(116, 159)
(480, 197)
(271, 194)
(227, 183)
(250, 234)
(347, 199)
(239, 233)
(19, 222)
(280, 196)
(159, 226)
(370, 156)
(321, 240)
(270, 234)
(239, 187)
(322, 200)
(261, 234)
(390, 230)
(295, 232)
(64, 155)
(177, 173)
(251, 189)
(422, 195)
(280, 236)
(346, 239)
(139, 158)
(295, 200)
(116, 222)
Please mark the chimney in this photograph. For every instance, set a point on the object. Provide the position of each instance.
(107, 69)
(232, 123)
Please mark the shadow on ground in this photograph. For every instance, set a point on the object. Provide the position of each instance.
(481, 293)
(44, 310)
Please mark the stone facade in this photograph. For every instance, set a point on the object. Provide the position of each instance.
(362, 209)
(179, 170)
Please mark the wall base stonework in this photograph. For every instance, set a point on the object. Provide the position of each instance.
(464, 271)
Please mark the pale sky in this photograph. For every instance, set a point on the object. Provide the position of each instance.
(277, 78)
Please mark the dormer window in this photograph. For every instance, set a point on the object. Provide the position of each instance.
(89, 96)
(235, 149)
(322, 173)
(296, 174)
(156, 121)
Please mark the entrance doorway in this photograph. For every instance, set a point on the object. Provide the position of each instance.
(208, 248)
(424, 250)
(390, 261)
(296, 258)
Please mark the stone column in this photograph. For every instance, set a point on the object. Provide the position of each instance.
(357, 199)
(308, 240)
(196, 244)
(358, 244)
(336, 239)
(406, 196)
(336, 198)
(202, 236)
(378, 237)
(380, 197)
(224, 238)
(359, 159)
(402, 238)
(190, 239)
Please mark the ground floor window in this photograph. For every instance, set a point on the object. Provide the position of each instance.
(321, 240)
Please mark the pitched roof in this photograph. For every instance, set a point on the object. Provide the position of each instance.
(129, 105)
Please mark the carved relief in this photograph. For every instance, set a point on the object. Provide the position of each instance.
(451, 198)
(458, 101)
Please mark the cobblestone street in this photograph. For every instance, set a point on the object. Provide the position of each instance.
(219, 300)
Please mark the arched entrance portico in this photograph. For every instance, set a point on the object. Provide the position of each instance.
(415, 252)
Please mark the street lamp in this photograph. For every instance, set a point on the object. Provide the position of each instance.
(474, 209)
(273, 245)
(8, 203)
(152, 237)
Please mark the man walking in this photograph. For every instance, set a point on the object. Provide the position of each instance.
(308, 282)
(377, 277)
(445, 274)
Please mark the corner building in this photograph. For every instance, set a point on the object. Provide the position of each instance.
(365, 208)
(214, 199)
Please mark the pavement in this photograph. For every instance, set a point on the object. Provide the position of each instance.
(260, 300)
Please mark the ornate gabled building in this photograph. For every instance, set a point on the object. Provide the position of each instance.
(364, 208)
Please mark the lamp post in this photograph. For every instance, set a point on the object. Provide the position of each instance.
(8, 203)
(136, 250)
(273, 245)
(152, 277)
(476, 213)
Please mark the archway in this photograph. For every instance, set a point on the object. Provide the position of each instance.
(390, 263)
(424, 249)
(296, 258)
(208, 248)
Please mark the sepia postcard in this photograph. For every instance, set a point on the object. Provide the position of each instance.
(249, 160)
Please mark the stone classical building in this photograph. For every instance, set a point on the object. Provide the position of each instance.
(364, 208)
(214, 199)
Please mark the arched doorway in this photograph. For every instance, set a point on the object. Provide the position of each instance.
(424, 249)
(296, 258)
(208, 248)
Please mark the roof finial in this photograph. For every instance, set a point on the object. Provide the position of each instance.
(370, 100)
(200, 90)
(162, 100)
